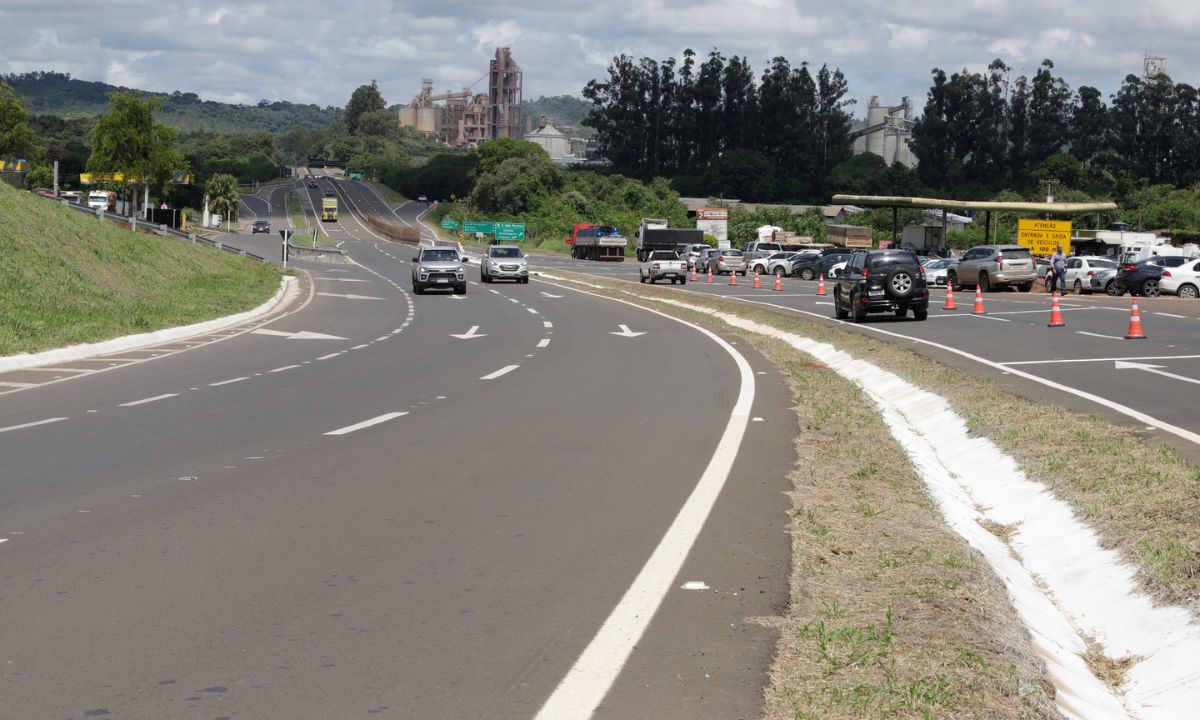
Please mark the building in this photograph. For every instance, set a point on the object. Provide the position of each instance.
(888, 132)
(553, 141)
(466, 118)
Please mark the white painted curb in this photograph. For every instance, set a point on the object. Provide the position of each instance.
(287, 287)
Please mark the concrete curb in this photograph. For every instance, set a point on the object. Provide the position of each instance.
(287, 288)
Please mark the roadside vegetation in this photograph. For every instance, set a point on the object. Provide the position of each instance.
(894, 616)
(68, 278)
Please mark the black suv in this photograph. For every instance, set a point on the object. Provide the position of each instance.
(810, 267)
(877, 281)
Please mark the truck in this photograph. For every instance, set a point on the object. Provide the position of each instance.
(663, 265)
(760, 250)
(597, 242)
(655, 234)
(329, 207)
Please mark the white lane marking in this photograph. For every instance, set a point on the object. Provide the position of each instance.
(513, 300)
(468, 335)
(302, 335)
(350, 296)
(1108, 359)
(360, 347)
(228, 382)
(1092, 334)
(1156, 369)
(592, 675)
(502, 371)
(985, 317)
(757, 419)
(16, 384)
(547, 324)
(381, 338)
(143, 401)
(330, 355)
(3, 540)
(543, 342)
(1172, 315)
(494, 292)
(367, 423)
(694, 585)
(285, 367)
(32, 424)
(535, 312)
(342, 279)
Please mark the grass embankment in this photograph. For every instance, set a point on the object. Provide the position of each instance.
(67, 278)
(892, 614)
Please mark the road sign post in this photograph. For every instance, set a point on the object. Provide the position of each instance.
(286, 235)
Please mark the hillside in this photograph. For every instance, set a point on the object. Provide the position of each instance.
(68, 278)
(50, 93)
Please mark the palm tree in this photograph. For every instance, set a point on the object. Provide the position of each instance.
(223, 195)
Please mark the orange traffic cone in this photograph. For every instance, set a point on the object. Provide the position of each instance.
(821, 285)
(978, 303)
(733, 278)
(778, 283)
(756, 283)
(949, 299)
(710, 275)
(1135, 324)
(693, 273)
(1056, 318)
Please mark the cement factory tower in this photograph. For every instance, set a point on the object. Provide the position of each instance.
(467, 119)
(504, 97)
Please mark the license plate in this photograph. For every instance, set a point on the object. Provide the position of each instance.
(443, 281)
(875, 293)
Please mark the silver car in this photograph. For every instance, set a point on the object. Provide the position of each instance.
(504, 262)
(990, 266)
(439, 267)
(728, 261)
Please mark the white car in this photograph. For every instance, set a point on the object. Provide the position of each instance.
(836, 269)
(765, 264)
(1081, 268)
(1183, 281)
(935, 270)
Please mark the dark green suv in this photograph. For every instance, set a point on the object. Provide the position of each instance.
(877, 281)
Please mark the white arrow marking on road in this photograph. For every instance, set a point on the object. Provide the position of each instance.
(626, 332)
(302, 335)
(546, 294)
(1122, 365)
(469, 334)
(350, 297)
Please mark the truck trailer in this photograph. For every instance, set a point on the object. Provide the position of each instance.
(597, 242)
(654, 234)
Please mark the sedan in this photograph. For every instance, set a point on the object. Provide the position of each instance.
(935, 271)
(728, 262)
(1104, 281)
(1081, 268)
(764, 264)
(260, 226)
(1183, 281)
(1139, 278)
(702, 260)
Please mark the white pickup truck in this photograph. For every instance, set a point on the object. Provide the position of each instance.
(663, 264)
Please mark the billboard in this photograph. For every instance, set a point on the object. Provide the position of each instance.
(715, 222)
(1042, 236)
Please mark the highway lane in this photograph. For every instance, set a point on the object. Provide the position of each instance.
(200, 545)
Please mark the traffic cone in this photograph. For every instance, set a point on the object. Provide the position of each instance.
(1135, 324)
(949, 299)
(733, 278)
(821, 285)
(693, 273)
(710, 276)
(1056, 318)
(778, 283)
(978, 303)
(756, 284)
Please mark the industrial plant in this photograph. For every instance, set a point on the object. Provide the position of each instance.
(465, 118)
(888, 132)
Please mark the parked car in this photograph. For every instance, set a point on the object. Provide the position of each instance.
(877, 281)
(1143, 277)
(810, 267)
(783, 266)
(691, 253)
(504, 262)
(728, 262)
(260, 226)
(992, 266)
(1080, 269)
(1183, 281)
(702, 260)
(836, 269)
(1104, 281)
(936, 269)
(763, 264)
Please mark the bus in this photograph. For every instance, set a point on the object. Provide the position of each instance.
(329, 207)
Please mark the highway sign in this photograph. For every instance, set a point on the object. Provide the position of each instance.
(510, 231)
(450, 224)
(479, 227)
(1042, 236)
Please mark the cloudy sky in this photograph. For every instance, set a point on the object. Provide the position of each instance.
(318, 52)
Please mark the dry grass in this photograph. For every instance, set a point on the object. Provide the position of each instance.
(1107, 669)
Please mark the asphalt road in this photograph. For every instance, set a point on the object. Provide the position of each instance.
(351, 511)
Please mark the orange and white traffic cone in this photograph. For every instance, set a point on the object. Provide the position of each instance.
(756, 283)
(778, 283)
(949, 299)
(1056, 318)
(693, 273)
(1135, 324)
(978, 303)
(733, 278)
(821, 285)
(710, 276)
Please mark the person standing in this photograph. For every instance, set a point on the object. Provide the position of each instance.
(1058, 261)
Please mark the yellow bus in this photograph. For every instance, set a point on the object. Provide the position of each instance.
(329, 208)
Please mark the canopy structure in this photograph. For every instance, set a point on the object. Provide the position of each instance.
(986, 207)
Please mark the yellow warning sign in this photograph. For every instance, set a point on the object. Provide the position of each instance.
(1043, 236)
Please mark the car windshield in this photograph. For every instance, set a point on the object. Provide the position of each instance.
(439, 255)
(506, 252)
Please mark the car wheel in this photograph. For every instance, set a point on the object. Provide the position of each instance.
(1078, 286)
(1025, 287)
(1187, 292)
(779, 271)
(460, 289)
(1150, 288)
(524, 281)
(985, 284)
(743, 273)
(418, 290)
(920, 314)
(683, 281)
(860, 315)
(807, 274)
(952, 280)
(641, 277)
(1111, 289)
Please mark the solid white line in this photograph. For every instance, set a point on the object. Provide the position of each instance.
(32, 424)
(1092, 334)
(502, 371)
(1112, 359)
(17, 384)
(543, 342)
(149, 400)
(330, 355)
(227, 382)
(535, 312)
(285, 367)
(367, 423)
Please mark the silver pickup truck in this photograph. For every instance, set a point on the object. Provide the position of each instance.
(661, 265)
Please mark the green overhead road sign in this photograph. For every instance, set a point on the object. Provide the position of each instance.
(450, 224)
(510, 231)
(479, 227)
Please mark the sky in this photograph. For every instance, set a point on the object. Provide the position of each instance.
(319, 52)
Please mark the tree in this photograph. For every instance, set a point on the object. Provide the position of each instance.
(366, 98)
(494, 152)
(42, 176)
(380, 123)
(128, 140)
(223, 195)
(516, 184)
(16, 139)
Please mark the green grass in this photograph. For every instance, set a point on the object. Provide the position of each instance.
(68, 278)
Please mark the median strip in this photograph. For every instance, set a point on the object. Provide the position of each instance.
(366, 423)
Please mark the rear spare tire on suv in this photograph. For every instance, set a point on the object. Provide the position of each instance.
(877, 281)
(899, 283)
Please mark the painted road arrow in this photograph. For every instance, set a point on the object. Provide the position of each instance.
(302, 335)
(1123, 365)
(350, 297)
(626, 332)
(469, 334)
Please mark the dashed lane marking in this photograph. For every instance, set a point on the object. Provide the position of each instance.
(229, 382)
(543, 342)
(47, 421)
(547, 324)
(143, 401)
(535, 312)
(360, 347)
(285, 367)
(1092, 334)
(330, 355)
(502, 371)
(367, 423)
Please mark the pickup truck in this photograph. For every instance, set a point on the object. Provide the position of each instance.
(663, 264)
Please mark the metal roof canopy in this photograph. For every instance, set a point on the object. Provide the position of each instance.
(987, 207)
